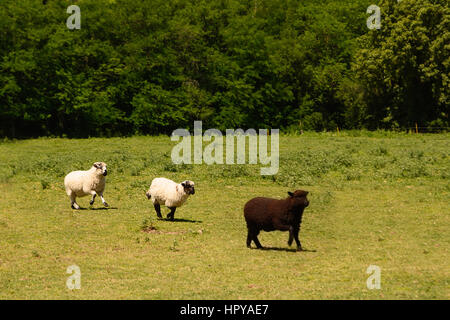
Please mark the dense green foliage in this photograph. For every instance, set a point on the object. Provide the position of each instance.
(149, 67)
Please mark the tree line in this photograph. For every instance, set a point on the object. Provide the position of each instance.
(150, 67)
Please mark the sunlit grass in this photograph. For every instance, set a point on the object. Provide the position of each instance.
(378, 198)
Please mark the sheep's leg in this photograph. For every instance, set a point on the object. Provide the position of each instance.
(171, 214)
(249, 238)
(253, 235)
(292, 232)
(291, 238)
(256, 241)
(103, 200)
(94, 194)
(75, 206)
(73, 202)
(158, 210)
(297, 241)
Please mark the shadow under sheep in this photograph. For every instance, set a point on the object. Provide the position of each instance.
(282, 249)
(96, 209)
(181, 220)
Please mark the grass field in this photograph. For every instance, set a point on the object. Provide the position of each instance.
(376, 199)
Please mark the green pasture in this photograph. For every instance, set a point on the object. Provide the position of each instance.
(376, 198)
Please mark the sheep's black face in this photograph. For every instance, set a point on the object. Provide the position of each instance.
(299, 196)
(188, 187)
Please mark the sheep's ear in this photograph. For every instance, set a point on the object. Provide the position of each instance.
(183, 184)
(290, 194)
(98, 165)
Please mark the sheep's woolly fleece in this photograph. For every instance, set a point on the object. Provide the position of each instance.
(167, 192)
(83, 183)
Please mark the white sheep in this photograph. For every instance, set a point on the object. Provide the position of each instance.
(169, 193)
(83, 183)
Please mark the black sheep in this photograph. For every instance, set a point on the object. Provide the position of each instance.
(271, 214)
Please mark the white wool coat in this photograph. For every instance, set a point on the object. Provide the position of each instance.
(167, 192)
(82, 183)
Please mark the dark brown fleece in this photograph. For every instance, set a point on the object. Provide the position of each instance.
(272, 214)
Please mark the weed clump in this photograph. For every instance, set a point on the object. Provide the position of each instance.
(45, 183)
(148, 226)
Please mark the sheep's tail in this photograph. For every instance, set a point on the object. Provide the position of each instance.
(148, 195)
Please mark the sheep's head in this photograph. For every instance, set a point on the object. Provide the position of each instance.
(299, 198)
(101, 168)
(188, 187)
